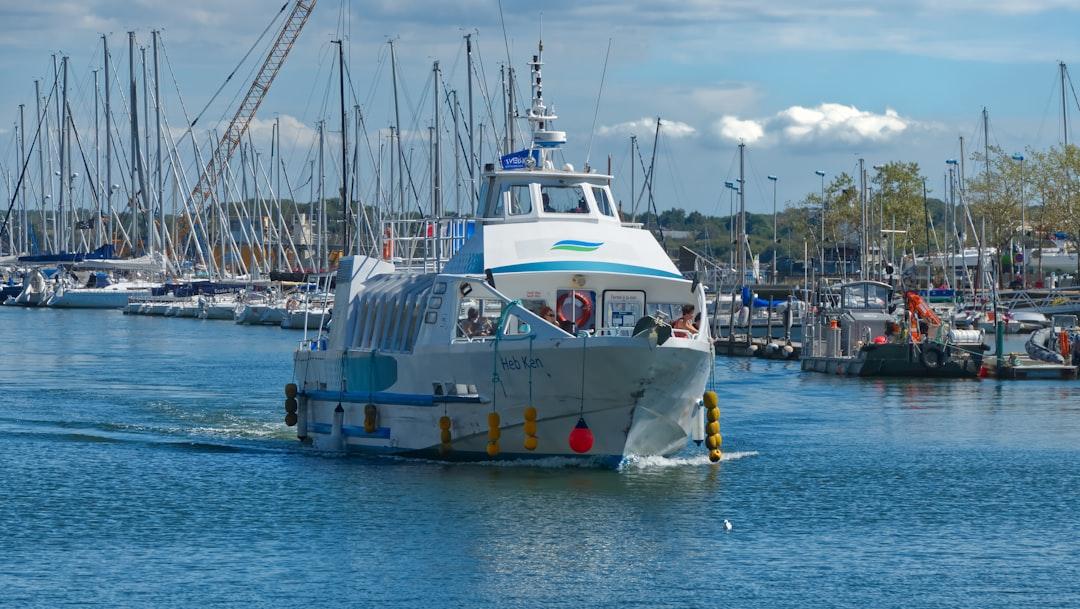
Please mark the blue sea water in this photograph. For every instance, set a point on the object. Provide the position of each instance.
(145, 465)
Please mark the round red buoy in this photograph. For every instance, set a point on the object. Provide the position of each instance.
(880, 340)
(581, 438)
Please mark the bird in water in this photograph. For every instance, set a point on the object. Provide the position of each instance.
(727, 525)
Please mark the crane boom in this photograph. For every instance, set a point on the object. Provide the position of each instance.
(238, 126)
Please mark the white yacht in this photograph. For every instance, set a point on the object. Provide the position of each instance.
(461, 364)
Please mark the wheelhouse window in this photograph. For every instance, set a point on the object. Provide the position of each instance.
(518, 199)
(603, 201)
(560, 199)
(865, 296)
(478, 317)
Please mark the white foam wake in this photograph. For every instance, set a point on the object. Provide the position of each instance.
(635, 462)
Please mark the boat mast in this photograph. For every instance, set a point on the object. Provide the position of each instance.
(41, 163)
(344, 147)
(133, 205)
(61, 225)
(324, 253)
(742, 212)
(157, 145)
(96, 184)
(108, 138)
(633, 163)
(510, 113)
(472, 130)
(863, 249)
(1064, 106)
(24, 236)
(151, 204)
(457, 151)
(397, 124)
(436, 168)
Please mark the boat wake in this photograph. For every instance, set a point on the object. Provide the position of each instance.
(200, 439)
(654, 462)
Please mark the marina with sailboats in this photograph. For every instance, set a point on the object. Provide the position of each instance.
(271, 282)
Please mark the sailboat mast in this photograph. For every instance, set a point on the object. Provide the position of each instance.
(62, 224)
(457, 152)
(344, 154)
(436, 176)
(863, 249)
(151, 204)
(157, 144)
(133, 205)
(472, 127)
(1064, 106)
(96, 189)
(108, 138)
(324, 254)
(742, 212)
(397, 124)
(24, 236)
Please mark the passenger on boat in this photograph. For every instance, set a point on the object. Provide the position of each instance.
(476, 325)
(686, 322)
(549, 315)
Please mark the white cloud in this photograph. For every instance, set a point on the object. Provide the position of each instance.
(646, 126)
(294, 133)
(827, 124)
(832, 122)
(737, 130)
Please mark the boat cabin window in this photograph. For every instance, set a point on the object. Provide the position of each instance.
(517, 199)
(603, 201)
(478, 317)
(561, 199)
(671, 311)
(864, 296)
(623, 308)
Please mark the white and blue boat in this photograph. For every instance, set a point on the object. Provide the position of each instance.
(461, 363)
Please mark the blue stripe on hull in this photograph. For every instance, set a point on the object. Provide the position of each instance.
(386, 397)
(600, 267)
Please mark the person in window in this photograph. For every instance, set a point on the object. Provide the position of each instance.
(547, 203)
(581, 208)
(686, 322)
(549, 315)
(476, 325)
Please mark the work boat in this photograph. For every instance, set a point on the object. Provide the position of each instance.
(857, 332)
(461, 363)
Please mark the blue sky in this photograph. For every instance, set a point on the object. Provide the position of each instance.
(806, 85)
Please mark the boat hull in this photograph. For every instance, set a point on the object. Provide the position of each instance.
(898, 360)
(638, 399)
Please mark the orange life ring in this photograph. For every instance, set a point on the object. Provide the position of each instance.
(586, 307)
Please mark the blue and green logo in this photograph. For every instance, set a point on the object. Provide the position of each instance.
(569, 245)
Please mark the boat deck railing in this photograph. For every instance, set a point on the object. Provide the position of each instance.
(1046, 301)
(424, 245)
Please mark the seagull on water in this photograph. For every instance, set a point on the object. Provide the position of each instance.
(727, 525)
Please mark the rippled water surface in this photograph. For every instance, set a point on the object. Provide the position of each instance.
(145, 465)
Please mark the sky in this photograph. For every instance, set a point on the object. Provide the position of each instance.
(806, 86)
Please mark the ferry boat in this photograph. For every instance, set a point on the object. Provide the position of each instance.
(544, 335)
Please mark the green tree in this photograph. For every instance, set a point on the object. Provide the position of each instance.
(899, 201)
